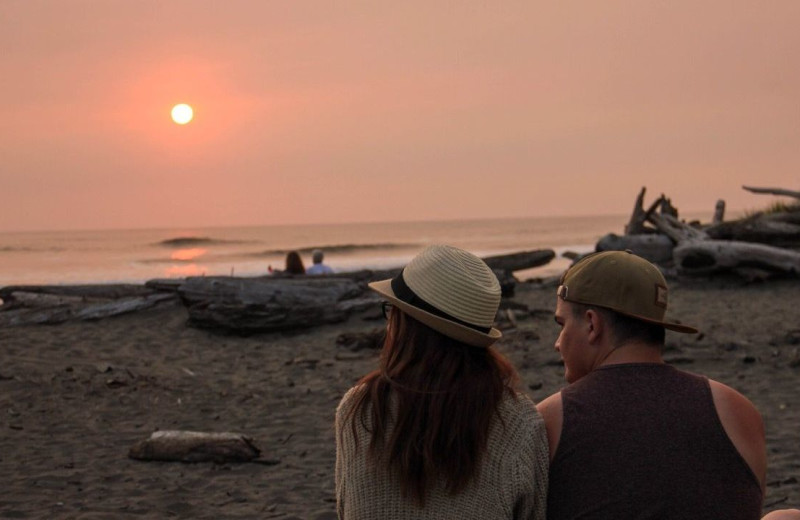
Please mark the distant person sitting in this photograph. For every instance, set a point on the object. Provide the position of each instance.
(318, 267)
(294, 264)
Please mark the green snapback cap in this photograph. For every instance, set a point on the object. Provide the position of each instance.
(622, 282)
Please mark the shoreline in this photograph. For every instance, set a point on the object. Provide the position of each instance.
(79, 394)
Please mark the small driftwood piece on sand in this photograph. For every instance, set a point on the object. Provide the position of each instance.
(187, 446)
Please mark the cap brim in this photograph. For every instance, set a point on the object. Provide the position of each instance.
(677, 327)
(449, 328)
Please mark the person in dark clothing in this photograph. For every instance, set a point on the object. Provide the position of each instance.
(294, 264)
(630, 436)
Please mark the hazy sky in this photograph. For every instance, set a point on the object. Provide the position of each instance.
(323, 111)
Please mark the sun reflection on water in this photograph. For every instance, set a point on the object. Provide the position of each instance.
(185, 270)
(188, 254)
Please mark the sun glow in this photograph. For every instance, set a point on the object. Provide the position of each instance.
(182, 113)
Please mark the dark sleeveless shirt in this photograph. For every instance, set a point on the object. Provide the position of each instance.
(645, 441)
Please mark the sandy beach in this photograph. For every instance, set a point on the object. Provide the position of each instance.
(75, 397)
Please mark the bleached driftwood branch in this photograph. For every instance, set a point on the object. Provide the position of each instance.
(773, 191)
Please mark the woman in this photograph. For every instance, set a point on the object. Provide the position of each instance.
(294, 264)
(438, 430)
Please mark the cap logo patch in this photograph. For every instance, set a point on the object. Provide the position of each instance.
(661, 296)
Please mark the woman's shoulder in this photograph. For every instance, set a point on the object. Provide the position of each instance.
(518, 413)
(348, 400)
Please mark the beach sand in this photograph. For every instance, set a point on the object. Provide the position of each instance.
(75, 397)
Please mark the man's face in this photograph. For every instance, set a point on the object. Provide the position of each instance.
(572, 342)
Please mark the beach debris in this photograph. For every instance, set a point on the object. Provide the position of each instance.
(755, 248)
(792, 337)
(794, 362)
(48, 304)
(355, 341)
(521, 260)
(277, 303)
(193, 446)
(249, 305)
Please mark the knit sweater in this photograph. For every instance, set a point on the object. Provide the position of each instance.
(510, 484)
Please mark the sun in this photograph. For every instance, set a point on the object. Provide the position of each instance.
(182, 113)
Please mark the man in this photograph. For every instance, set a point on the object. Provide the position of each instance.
(632, 437)
(318, 267)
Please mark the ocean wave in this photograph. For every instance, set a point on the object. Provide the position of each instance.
(199, 241)
(13, 249)
(340, 249)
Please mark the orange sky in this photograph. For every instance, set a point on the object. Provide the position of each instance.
(373, 111)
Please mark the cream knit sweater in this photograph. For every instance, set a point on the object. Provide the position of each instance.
(511, 483)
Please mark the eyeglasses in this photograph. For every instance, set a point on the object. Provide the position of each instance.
(386, 307)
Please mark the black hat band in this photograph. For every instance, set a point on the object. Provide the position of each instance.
(404, 293)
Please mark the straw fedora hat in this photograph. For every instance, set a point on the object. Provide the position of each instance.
(451, 291)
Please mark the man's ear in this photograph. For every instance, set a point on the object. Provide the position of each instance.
(595, 325)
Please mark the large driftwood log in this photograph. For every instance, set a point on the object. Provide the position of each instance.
(248, 305)
(655, 247)
(264, 304)
(700, 251)
(776, 229)
(773, 191)
(186, 446)
(711, 256)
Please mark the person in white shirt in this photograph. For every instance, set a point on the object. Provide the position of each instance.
(318, 267)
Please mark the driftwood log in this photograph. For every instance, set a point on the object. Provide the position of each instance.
(35, 308)
(746, 246)
(773, 191)
(241, 305)
(246, 305)
(775, 229)
(265, 304)
(711, 256)
(187, 446)
(519, 261)
(655, 247)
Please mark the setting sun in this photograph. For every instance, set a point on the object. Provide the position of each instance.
(182, 113)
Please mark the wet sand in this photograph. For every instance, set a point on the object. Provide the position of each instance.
(75, 397)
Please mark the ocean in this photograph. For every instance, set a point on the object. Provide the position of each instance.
(138, 255)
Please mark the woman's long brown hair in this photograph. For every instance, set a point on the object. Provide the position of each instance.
(444, 395)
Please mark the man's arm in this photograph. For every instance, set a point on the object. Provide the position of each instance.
(744, 426)
(553, 413)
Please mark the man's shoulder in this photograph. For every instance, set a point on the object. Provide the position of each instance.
(726, 399)
(743, 424)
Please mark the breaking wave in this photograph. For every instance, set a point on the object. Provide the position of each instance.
(198, 241)
(340, 249)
